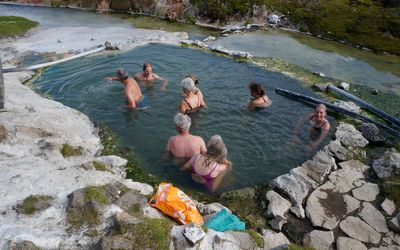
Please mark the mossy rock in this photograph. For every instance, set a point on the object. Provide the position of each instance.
(256, 237)
(69, 151)
(15, 26)
(96, 193)
(298, 247)
(87, 215)
(34, 203)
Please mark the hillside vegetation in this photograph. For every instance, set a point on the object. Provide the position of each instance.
(367, 23)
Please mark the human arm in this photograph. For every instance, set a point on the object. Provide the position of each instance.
(182, 107)
(203, 148)
(167, 152)
(188, 165)
(165, 81)
(111, 78)
(201, 97)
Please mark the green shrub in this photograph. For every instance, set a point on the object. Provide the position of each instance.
(100, 166)
(68, 150)
(96, 194)
(29, 205)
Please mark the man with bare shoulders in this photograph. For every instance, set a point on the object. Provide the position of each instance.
(132, 90)
(184, 145)
(147, 76)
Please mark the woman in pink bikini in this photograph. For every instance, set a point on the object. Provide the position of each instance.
(209, 168)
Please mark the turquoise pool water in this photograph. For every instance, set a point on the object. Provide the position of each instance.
(260, 144)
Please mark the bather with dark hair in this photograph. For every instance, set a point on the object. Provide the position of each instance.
(210, 167)
(259, 98)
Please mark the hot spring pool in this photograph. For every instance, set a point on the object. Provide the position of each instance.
(260, 144)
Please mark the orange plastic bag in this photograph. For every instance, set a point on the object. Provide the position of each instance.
(175, 203)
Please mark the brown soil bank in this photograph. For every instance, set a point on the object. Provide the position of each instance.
(373, 24)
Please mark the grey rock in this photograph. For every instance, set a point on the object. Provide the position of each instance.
(352, 204)
(296, 189)
(151, 212)
(354, 165)
(374, 218)
(391, 247)
(306, 176)
(345, 243)
(129, 199)
(21, 245)
(209, 38)
(3, 133)
(143, 188)
(206, 209)
(388, 206)
(326, 207)
(277, 206)
(343, 179)
(351, 106)
(350, 136)
(274, 240)
(321, 169)
(336, 149)
(366, 192)
(76, 199)
(113, 242)
(394, 224)
(320, 74)
(387, 240)
(277, 223)
(115, 163)
(374, 91)
(358, 229)
(124, 219)
(325, 158)
(193, 233)
(397, 239)
(371, 132)
(387, 164)
(321, 240)
(359, 183)
(344, 85)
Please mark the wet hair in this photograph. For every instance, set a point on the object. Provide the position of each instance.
(145, 65)
(182, 121)
(188, 84)
(122, 74)
(257, 88)
(194, 78)
(216, 151)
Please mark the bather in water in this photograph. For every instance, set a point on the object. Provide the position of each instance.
(191, 101)
(259, 99)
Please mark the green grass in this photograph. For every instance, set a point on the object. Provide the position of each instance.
(297, 247)
(100, 166)
(28, 206)
(85, 216)
(15, 26)
(150, 234)
(96, 194)
(68, 151)
(257, 237)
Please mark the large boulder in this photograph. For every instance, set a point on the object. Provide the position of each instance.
(350, 136)
(143, 188)
(344, 243)
(321, 240)
(366, 192)
(274, 240)
(359, 230)
(351, 106)
(326, 206)
(277, 206)
(373, 217)
(296, 189)
(354, 165)
(344, 179)
(387, 164)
